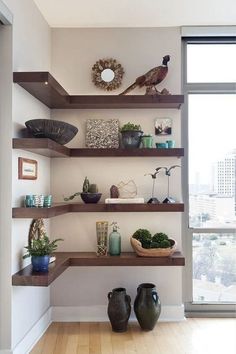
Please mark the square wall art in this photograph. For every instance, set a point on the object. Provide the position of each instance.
(102, 134)
(163, 126)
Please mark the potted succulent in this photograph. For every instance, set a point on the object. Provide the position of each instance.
(89, 195)
(159, 245)
(131, 135)
(40, 250)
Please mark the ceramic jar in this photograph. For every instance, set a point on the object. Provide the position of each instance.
(119, 309)
(147, 306)
(147, 141)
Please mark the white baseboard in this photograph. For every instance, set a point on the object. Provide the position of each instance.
(31, 337)
(99, 314)
(3, 351)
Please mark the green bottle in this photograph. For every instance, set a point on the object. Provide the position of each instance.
(114, 241)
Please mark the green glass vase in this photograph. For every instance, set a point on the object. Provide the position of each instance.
(114, 241)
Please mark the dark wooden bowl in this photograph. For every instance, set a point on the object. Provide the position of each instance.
(59, 131)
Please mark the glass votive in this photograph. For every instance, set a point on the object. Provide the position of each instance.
(29, 201)
(47, 201)
(40, 201)
(36, 200)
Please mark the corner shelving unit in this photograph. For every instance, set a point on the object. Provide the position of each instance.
(55, 210)
(45, 88)
(49, 148)
(26, 277)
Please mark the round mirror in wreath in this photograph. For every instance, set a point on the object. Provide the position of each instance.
(107, 74)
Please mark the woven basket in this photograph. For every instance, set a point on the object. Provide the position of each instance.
(152, 252)
(59, 131)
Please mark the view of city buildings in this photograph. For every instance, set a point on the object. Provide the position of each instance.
(213, 206)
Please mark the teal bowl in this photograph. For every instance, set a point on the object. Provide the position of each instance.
(161, 145)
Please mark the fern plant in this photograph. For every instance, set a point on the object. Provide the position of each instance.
(41, 247)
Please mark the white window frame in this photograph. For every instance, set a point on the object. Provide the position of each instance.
(196, 309)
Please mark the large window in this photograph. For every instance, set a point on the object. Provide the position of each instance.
(211, 119)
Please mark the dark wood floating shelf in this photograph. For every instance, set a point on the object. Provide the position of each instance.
(50, 148)
(34, 213)
(44, 87)
(41, 146)
(26, 277)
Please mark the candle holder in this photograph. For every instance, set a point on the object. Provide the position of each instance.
(102, 234)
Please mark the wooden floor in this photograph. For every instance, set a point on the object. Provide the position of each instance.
(193, 336)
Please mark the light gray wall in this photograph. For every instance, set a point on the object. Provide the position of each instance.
(74, 51)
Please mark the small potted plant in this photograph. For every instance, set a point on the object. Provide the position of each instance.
(40, 250)
(89, 195)
(131, 135)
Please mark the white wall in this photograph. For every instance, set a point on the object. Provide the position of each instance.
(74, 51)
(31, 51)
(5, 188)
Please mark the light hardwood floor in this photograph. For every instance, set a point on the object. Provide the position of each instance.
(193, 336)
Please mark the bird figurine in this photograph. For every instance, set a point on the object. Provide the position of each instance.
(169, 199)
(154, 200)
(152, 78)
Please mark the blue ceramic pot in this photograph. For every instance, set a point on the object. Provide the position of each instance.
(40, 263)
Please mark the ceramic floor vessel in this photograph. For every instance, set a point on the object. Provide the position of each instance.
(119, 309)
(147, 306)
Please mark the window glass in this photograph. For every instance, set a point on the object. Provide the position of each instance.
(212, 160)
(211, 63)
(214, 267)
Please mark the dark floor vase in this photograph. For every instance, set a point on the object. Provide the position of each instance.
(147, 306)
(119, 309)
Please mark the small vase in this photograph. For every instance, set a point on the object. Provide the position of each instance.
(40, 263)
(102, 233)
(114, 241)
(119, 309)
(147, 306)
(147, 141)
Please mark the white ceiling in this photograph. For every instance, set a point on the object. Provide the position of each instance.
(137, 13)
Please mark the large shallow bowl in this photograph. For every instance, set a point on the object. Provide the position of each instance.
(90, 197)
(59, 131)
(152, 252)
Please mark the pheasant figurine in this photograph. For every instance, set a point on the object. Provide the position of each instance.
(152, 78)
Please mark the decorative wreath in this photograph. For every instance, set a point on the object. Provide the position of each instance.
(103, 64)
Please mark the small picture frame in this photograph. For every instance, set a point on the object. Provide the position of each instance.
(27, 169)
(163, 126)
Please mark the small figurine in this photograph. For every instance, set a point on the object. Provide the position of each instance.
(114, 192)
(169, 199)
(154, 200)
